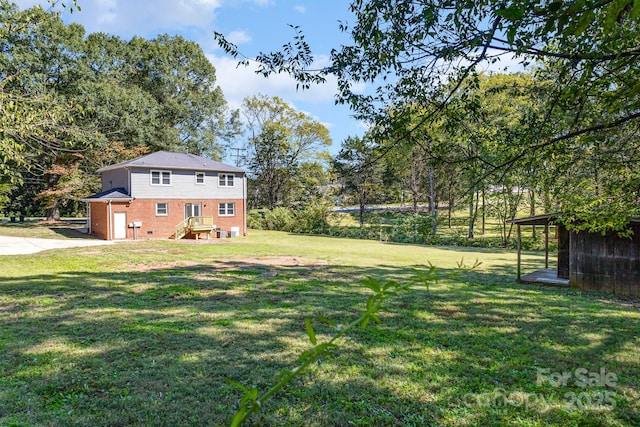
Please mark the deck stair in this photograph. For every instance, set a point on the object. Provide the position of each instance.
(193, 226)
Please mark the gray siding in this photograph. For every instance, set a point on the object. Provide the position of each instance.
(115, 179)
(183, 186)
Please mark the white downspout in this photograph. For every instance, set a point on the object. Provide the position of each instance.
(129, 181)
(244, 203)
(110, 221)
(89, 219)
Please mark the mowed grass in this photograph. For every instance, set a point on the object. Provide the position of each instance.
(41, 230)
(147, 333)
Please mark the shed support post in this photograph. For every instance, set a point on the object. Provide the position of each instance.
(546, 245)
(519, 245)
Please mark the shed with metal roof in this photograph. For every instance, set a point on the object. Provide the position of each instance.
(607, 262)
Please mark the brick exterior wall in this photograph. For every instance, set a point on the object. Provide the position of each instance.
(162, 226)
(99, 217)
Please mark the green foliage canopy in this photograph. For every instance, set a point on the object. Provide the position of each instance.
(96, 99)
(422, 55)
(284, 145)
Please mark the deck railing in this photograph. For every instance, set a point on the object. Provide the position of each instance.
(194, 224)
(198, 222)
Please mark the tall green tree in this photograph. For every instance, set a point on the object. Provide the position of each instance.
(281, 141)
(22, 116)
(37, 53)
(359, 173)
(70, 97)
(177, 74)
(313, 184)
(507, 106)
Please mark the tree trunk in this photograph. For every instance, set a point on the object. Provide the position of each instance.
(546, 199)
(532, 210)
(432, 202)
(484, 216)
(450, 207)
(471, 217)
(53, 213)
(362, 208)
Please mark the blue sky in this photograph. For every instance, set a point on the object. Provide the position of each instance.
(254, 25)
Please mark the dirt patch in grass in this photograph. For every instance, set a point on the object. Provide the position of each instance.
(166, 266)
(245, 263)
(270, 266)
(201, 241)
(282, 261)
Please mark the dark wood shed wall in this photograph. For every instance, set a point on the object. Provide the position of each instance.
(607, 263)
(563, 251)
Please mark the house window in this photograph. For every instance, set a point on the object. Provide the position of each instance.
(162, 209)
(225, 180)
(160, 178)
(199, 177)
(227, 209)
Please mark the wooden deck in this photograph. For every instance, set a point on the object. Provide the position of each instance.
(546, 276)
(193, 226)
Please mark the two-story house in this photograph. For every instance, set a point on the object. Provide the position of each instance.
(168, 195)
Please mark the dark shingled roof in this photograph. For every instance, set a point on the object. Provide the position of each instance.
(537, 219)
(170, 160)
(114, 194)
(553, 218)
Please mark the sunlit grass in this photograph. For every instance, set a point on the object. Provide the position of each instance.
(458, 226)
(147, 333)
(37, 229)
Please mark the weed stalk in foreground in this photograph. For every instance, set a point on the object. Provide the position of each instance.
(252, 401)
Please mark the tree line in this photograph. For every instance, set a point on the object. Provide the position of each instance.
(561, 136)
(565, 135)
(73, 102)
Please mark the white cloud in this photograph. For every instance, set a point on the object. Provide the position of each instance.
(237, 83)
(506, 63)
(240, 82)
(238, 37)
(108, 13)
(262, 3)
(300, 9)
(141, 17)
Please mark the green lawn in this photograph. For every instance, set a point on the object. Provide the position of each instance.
(36, 229)
(147, 333)
(396, 226)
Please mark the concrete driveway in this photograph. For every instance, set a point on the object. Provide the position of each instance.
(27, 245)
